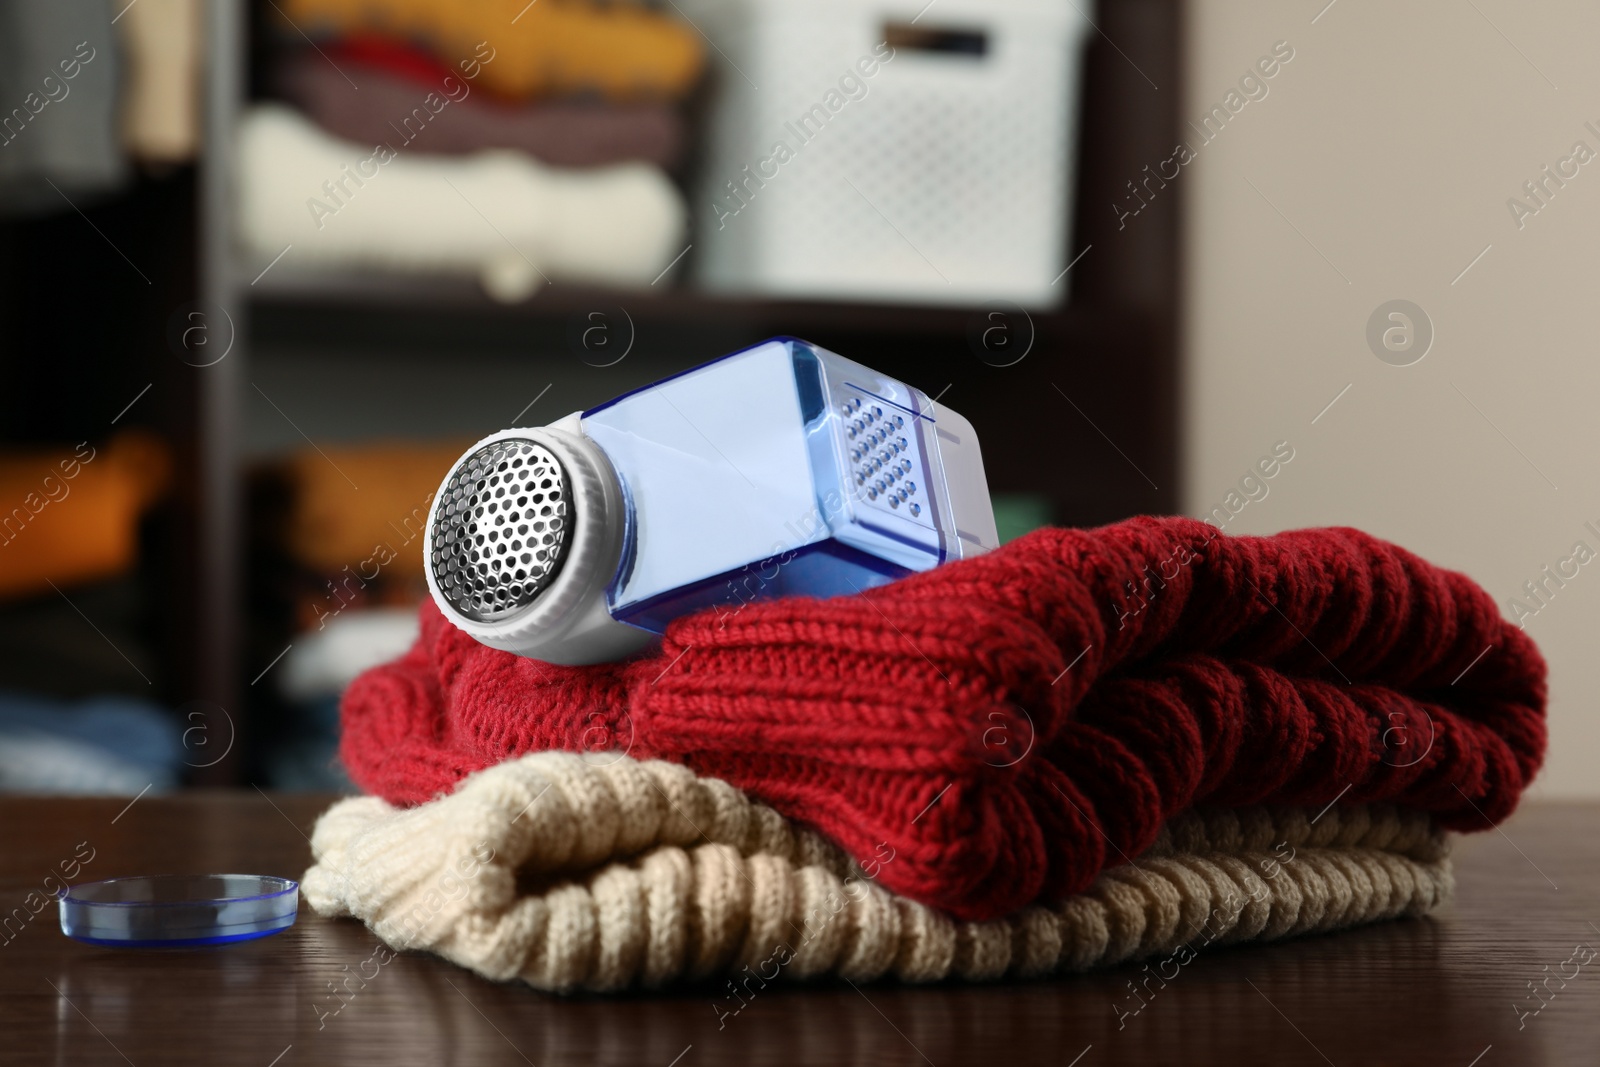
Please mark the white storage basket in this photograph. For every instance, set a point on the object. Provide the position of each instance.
(942, 175)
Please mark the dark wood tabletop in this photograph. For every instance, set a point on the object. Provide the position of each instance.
(1458, 989)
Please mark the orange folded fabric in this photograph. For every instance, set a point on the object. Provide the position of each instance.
(518, 49)
(72, 515)
(349, 506)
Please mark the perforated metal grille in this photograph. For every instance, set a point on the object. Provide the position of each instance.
(885, 461)
(500, 534)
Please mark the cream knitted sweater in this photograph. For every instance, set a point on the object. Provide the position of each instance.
(601, 872)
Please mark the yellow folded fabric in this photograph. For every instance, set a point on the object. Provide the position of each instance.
(350, 504)
(72, 515)
(521, 49)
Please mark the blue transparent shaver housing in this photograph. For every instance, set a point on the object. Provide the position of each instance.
(779, 470)
(783, 469)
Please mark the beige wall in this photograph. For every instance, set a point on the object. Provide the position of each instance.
(1392, 141)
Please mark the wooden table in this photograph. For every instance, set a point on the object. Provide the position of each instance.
(1440, 991)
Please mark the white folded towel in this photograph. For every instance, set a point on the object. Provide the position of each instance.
(514, 222)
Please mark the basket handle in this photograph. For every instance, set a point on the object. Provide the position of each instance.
(967, 42)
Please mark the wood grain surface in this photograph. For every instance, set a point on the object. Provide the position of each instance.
(1457, 990)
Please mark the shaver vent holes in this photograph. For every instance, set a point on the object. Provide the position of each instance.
(500, 535)
(881, 455)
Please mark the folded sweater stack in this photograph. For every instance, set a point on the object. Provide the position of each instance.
(620, 51)
(47, 542)
(566, 131)
(335, 574)
(1016, 732)
(602, 873)
(523, 146)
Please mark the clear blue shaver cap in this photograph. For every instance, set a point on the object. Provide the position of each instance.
(178, 909)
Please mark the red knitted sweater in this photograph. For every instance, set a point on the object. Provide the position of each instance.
(1008, 726)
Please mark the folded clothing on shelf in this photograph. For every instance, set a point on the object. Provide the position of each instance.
(322, 662)
(323, 547)
(103, 745)
(510, 220)
(52, 153)
(413, 103)
(623, 51)
(330, 526)
(1015, 724)
(602, 873)
(337, 574)
(161, 95)
(73, 515)
(298, 750)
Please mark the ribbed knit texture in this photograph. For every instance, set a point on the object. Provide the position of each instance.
(1014, 724)
(602, 872)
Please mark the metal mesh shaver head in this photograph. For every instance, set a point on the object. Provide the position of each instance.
(500, 533)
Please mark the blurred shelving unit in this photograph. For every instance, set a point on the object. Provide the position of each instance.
(1087, 418)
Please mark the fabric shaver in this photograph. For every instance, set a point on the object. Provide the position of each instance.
(780, 470)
